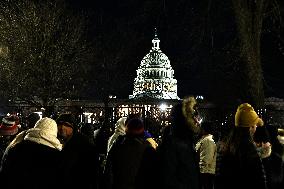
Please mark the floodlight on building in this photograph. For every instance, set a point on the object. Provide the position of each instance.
(163, 107)
(111, 96)
(200, 97)
(88, 117)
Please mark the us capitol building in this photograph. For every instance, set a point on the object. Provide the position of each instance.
(155, 76)
(155, 92)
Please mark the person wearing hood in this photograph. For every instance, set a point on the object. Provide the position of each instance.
(32, 157)
(118, 131)
(177, 159)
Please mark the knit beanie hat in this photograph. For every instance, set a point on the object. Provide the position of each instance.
(135, 127)
(8, 126)
(247, 117)
(68, 119)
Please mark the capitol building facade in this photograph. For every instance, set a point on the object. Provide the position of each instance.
(155, 76)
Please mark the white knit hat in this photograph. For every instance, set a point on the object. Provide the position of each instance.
(44, 132)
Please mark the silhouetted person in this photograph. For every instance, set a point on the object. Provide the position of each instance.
(33, 161)
(79, 158)
(177, 158)
(207, 151)
(130, 162)
(8, 130)
(239, 165)
(31, 120)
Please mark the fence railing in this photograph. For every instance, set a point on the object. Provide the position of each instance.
(160, 116)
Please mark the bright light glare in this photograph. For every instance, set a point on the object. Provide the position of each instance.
(200, 97)
(163, 107)
(39, 113)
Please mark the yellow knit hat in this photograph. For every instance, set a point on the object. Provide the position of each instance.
(247, 117)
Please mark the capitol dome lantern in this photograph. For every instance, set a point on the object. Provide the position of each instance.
(155, 76)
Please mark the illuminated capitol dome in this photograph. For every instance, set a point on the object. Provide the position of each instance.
(155, 76)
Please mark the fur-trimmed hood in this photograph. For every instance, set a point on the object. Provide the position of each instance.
(184, 117)
(190, 113)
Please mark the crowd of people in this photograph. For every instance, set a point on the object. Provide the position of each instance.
(64, 153)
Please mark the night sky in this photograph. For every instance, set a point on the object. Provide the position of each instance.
(198, 43)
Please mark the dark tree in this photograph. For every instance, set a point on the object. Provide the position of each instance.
(249, 19)
(43, 52)
(234, 39)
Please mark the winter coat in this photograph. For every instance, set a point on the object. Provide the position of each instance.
(177, 164)
(79, 164)
(34, 157)
(207, 151)
(130, 164)
(177, 161)
(242, 170)
(30, 165)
